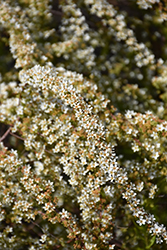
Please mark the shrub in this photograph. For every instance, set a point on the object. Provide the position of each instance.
(82, 82)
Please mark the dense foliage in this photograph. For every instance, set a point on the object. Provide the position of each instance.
(83, 130)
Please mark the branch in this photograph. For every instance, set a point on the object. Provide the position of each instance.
(6, 133)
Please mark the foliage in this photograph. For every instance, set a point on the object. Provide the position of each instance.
(82, 81)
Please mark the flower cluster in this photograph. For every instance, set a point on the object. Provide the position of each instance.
(162, 14)
(87, 84)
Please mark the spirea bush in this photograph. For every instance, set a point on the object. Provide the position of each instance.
(83, 130)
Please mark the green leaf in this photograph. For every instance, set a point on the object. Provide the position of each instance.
(151, 242)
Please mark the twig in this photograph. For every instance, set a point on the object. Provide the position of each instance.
(17, 136)
(21, 138)
(6, 133)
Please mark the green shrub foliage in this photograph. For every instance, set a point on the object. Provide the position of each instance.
(83, 130)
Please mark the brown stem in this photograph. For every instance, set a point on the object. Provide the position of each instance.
(17, 136)
(6, 133)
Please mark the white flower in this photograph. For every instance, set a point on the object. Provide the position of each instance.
(140, 186)
(64, 214)
(155, 155)
(141, 221)
(160, 127)
(156, 229)
(38, 167)
(129, 114)
(152, 191)
(111, 247)
(154, 135)
(135, 148)
(43, 238)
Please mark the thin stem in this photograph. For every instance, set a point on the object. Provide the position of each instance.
(17, 136)
(6, 133)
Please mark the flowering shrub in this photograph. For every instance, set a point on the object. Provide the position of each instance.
(82, 82)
